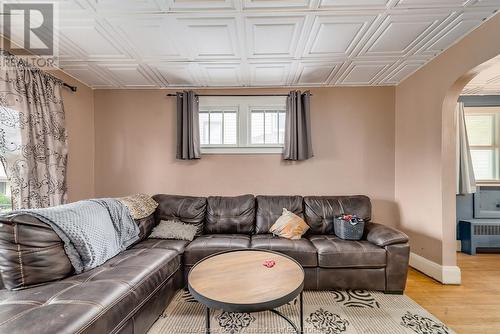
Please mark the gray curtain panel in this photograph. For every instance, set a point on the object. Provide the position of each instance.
(188, 129)
(33, 141)
(466, 182)
(298, 144)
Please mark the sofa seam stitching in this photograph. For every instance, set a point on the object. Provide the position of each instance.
(113, 304)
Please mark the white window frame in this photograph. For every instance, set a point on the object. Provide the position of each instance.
(275, 108)
(495, 111)
(243, 107)
(224, 109)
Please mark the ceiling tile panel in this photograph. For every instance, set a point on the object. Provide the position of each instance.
(463, 24)
(222, 74)
(401, 72)
(430, 3)
(90, 39)
(487, 82)
(88, 75)
(149, 36)
(399, 34)
(239, 43)
(315, 73)
(273, 36)
(268, 4)
(336, 35)
(200, 4)
(353, 3)
(176, 74)
(210, 37)
(270, 74)
(129, 75)
(134, 6)
(362, 73)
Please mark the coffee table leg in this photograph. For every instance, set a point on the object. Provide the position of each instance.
(301, 303)
(207, 321)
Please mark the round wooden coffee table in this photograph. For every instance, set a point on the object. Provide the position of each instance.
(238, 281)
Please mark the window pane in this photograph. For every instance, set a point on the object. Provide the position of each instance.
(215, 128)
(204, 128)
(5, 195)
(480, 129)
(281, 129)
(257, 128)
(230, 128)
(484, 164)
(271, 125)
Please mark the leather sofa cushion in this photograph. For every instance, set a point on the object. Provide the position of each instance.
(270, 208)
(187, 209)
(97, 301)
(319, 211)
(209, 244)
(230, 214)
(334, 252)
(176, 245)
(301, 250)
(382, 235)
(146, 225)
(30, 253)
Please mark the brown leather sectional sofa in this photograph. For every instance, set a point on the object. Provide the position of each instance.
(129, 292)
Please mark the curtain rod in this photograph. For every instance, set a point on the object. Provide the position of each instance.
(237, 95)
(72, 88)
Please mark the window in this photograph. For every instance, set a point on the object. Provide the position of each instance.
(242, 124)
(483, 134)
(218, 127)
(5, 196)
(267, 127)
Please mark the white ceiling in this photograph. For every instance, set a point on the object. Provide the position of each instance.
(487, 82)
(233, 43)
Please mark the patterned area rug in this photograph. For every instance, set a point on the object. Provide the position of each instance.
(325, 312)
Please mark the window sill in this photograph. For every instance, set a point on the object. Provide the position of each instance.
(488, 183)
(242, 150)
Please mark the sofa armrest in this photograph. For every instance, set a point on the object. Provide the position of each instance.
(382, 235)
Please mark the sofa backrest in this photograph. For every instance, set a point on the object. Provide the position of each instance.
(187, 209)
(319, 211)
(270, 208)
(247, 214)
(30, 253)
(230, 214)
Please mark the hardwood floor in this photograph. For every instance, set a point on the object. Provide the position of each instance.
(474, 306)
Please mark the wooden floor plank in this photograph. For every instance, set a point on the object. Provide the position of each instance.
(474, 306)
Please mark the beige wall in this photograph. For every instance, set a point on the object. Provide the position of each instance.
(353, 138)
(425, 143)
(393, 144)
(79, 110)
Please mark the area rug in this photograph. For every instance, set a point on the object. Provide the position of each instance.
(325, 312)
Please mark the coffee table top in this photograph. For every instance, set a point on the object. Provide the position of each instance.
(237, 281)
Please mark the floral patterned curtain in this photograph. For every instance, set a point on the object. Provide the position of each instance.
(33, 141)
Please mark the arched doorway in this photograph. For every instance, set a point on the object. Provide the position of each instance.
(482, 115)
(425, 183)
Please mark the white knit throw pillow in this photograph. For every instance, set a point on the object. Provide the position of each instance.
(172, 229)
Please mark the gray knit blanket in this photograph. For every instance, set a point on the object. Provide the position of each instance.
(93, 231)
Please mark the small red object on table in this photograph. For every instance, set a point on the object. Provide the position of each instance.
(269, 263)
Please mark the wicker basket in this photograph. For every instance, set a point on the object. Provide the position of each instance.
(349, 230)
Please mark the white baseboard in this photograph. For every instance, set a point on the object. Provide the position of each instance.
(443, 274)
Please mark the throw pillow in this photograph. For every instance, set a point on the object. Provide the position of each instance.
(289, 226)
(139, 205)
(172, 229)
